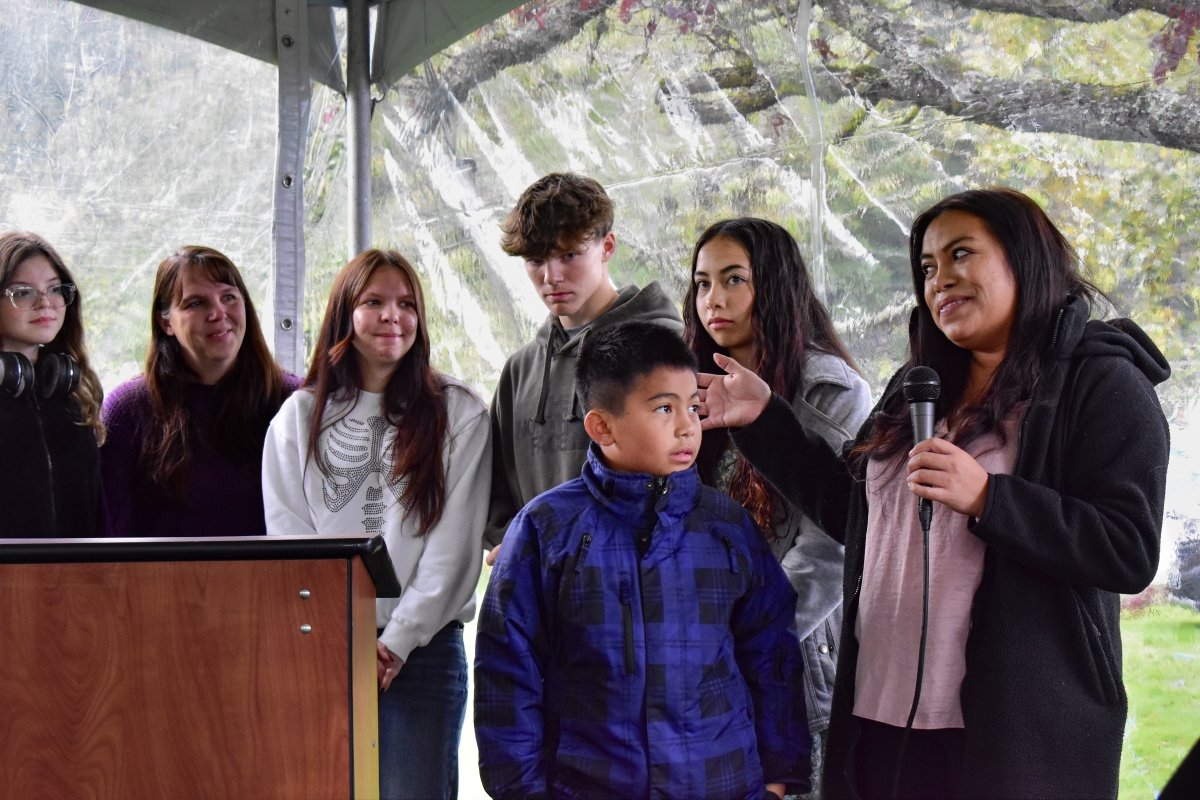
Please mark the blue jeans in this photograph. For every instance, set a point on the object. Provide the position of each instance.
(420, 721)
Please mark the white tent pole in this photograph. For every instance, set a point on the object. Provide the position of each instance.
(358, 111)
(295, 97)
(817, 162)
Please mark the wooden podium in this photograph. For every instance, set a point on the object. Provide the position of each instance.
(190, 668)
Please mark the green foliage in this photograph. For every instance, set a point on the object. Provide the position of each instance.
(1162, 678)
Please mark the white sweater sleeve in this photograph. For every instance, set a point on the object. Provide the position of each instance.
(284, 453)
(448, 570)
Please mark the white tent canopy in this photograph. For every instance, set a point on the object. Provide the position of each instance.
(301, 38)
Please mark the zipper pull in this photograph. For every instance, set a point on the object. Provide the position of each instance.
(733, 567)
(583, 551)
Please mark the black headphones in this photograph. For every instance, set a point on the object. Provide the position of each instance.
(56, 374)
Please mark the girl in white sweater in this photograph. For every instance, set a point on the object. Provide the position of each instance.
(377, 441)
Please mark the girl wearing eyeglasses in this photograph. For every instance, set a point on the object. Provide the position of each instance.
(50, 397)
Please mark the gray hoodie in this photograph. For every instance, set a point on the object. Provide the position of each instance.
(538, 440)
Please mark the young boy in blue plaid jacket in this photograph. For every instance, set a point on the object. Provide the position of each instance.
(635, 636)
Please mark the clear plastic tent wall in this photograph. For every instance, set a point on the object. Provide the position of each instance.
(121, 142)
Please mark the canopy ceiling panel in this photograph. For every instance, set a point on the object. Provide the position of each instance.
(245, 27)
(409, 31)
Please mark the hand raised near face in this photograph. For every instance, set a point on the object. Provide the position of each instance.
(732, 400)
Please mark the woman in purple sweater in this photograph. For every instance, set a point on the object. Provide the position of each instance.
(184, 446)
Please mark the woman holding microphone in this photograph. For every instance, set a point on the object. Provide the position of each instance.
(1047, 472)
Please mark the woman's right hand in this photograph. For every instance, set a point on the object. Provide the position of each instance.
(733, 400)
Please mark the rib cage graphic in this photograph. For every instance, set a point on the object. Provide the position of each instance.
(353, 452)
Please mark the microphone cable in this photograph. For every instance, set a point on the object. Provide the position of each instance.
(922, 387)
(912, 714)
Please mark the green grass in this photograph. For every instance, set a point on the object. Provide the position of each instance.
(1162, 678)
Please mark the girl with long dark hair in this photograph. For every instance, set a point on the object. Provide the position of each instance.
(49, 397)
(378, 441)
(1047, 474)
(184, 449)
(750, 299)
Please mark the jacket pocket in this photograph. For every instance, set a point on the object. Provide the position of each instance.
(627, 624)
(1098, 649)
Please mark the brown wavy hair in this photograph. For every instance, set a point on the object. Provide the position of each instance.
(247, 397)
(787, 321)
(413, 400)
(15, 248)
(561, 209)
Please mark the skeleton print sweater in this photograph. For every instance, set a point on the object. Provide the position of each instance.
(356, 494)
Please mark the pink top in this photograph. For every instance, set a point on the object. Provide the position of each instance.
(888, 626)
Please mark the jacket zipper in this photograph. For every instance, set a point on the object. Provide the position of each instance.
(583, 552)
(37, 413)
(733, 567)
(580, 557)
(627, 624)
(1025, 414)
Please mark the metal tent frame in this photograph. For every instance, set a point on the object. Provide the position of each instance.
(300, 37)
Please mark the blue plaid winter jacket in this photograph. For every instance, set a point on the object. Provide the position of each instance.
(602, 674)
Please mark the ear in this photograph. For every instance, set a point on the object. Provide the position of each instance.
(598, 427)
(164, 323)
(608, 246)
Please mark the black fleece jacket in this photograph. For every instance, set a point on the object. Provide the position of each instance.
(1077, 522)
(49, 469)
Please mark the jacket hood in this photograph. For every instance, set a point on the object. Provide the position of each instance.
(1078, 337)
(627, 495)
(649, 304)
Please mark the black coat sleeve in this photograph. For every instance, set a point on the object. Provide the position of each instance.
(1102, 528)
(799, 464)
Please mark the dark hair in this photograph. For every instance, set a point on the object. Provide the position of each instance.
(15, 249)
(1046, 270)
(247, 397)
(414, 395)
(614, 358)
(560, 210)
(787, 320)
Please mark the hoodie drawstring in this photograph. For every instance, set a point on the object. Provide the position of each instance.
(540, 417)
(573, 416)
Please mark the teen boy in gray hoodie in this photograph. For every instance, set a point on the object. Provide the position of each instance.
(562, 227)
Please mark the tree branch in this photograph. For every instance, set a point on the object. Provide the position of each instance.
(910, 71)
(560, 24)
(1073, 10)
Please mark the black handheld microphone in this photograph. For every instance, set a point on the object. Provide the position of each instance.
(922, 388)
